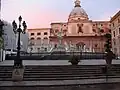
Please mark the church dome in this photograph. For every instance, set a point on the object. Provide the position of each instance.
(78, 12)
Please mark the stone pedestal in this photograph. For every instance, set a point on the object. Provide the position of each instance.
(17, 74)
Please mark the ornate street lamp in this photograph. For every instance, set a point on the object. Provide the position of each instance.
(19, 30)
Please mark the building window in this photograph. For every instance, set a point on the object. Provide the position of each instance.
(119, 30)
(45, 49)
(114, 42)
(113, 24)
(32, 34)
(38, 33)
(32, 38)
(110, 30)
(114, 33)
(102, 31)
(38, 38)
(78, 18)
(64, 25)
(56, 31)
(94, 30)
(118, 20)
(45, 33)
(110, 25)
(96, 45)
(38, 49)
(45, 38)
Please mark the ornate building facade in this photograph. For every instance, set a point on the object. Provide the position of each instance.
(79, 33)
(115, 30)
(38, 39)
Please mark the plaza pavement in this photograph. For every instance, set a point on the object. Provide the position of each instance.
(59, 82)
(58, 62)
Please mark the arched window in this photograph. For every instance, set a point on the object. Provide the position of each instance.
(110, 30)
(38, 38)
(39, 33)
(32, 38)
(102, 30)
(78, 18)
(96, 45)
(32, 34)
(45, 40)
(45, 33)
(118, 20)
(94, 30)
(56, 31)
(38, 41)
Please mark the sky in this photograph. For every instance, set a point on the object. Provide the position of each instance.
(40, 13)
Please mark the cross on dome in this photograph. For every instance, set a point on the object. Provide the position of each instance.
(77, 3)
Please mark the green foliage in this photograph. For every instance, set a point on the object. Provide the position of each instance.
(1, 42)
(108, 44)
(108, 36)
(1, 33)
(74, 60)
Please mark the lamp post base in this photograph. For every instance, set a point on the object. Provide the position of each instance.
(17, 74)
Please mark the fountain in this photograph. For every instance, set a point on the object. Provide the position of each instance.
(59, 47)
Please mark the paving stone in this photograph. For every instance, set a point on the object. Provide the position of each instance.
(78, 87)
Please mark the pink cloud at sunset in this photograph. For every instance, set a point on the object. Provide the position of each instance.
(40, 13)
(44, 19)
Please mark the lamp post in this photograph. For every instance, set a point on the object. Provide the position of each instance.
(18, 30)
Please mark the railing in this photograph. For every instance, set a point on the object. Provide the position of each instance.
(58, 56)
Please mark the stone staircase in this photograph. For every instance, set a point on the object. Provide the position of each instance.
(68, 72)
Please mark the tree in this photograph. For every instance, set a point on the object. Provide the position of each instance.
(1, 33)
(108, 44)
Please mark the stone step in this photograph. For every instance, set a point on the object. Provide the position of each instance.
(62, 74)
(67, 66)
(82, 70)
(60, 78)
(69, 78)
(72, 68)
(63, 68)
(69, 72)
(5, 72)
(113, 65)
(59, 73)
(57, 76)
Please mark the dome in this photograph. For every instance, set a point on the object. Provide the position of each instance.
(78, 12)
